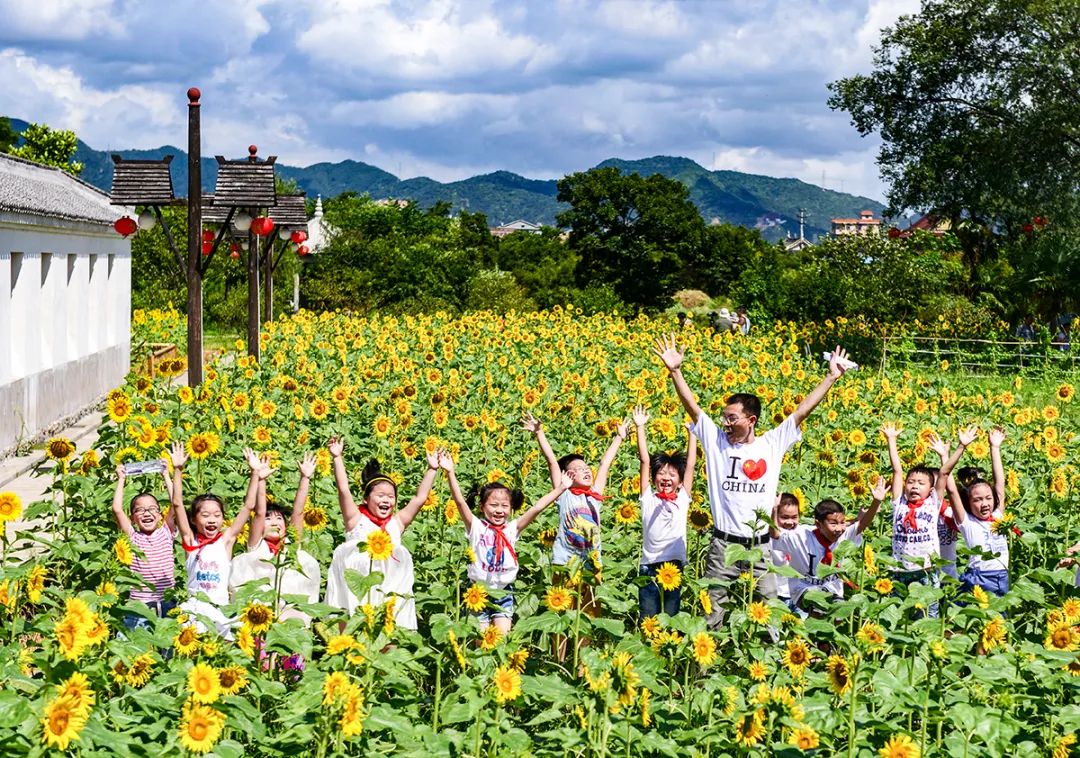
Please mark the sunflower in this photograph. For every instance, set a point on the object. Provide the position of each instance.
(119, 407)
(319, 409)
(558, 599)
(517, 659)
(1062, 637)
(856, 438)
(900, 746)
(77, 689)
(90, 460)
(706, 603)
(186, 642)
(804, 738)
(993, 634)
(757, 671)
(507, 684)
(1061, 750)
(627, 513)
(232, 679)
(796, 657)
(546, 537)
(1071, 609)
(650, 626)
(883, 586)
(262, 436)
(201, 727)
(476, 598)
(379, 545)
(186, 395)
(704, 649)
(123, 551)
(750, 729)
(204, 683)
(839, 674)
(980, 596)
(35, 583)
(59, 449)
(337, 685)
(203, 444)
(141, 670)
(759, 613)
(62, 722)
(669, 577)
(257, 617)
(265, 409)
(1065, 393)
(314, 518)
(340, 643)
(71, 635)
(872, 636)
(1055, 452)
(352, 715)
(382, 426)
(700, 518)
(491, 637)
(10, 507)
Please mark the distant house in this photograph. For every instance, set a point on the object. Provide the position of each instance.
(928, 223)
(796, 244)
(515, 226)
(864, 225)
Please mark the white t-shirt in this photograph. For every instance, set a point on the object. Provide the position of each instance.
(914, 548)
(806, 553)
(979, 535)
(663, 527)
(208, 570)
(490, 568)
(781, 558)
(947, 538)
(743, 477)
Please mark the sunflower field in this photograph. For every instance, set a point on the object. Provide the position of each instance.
(992, 676)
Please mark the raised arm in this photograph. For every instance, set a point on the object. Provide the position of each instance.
(878, 493)
(349, 512)
(307, 470)
(119, 513)
(170, 513)
(691, 459)
(956, 504)
(179, 458)
(531, 424)
(259, 472)
(446, 463)
(609, 457)
(891, 432)
(641, 418)
(530, 515)
(672, 357)
(837, 366)
(258, 518)
(965, 437)
(996, 437)
(408, 513)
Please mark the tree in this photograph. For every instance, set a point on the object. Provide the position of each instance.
(51, 147)
(8, 136)
(640, 235)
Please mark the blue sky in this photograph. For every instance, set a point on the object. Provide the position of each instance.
(453, 88)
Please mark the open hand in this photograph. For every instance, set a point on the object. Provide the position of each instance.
(967, 436)
(938, 445)
(996, 436)
(668, 352)
(307, 465)
(178, 454)
(531, 424)
(890, 430)
(640, 415)
(879, 491)
(336, 446)
(839, 363)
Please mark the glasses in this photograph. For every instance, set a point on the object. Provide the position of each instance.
(145, 509)
(579, 470)
(734, 419)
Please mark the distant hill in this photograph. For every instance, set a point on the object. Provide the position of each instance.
(767, 203)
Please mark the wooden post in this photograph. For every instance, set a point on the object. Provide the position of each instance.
(253, 294)
(268, 280)
(194, 251)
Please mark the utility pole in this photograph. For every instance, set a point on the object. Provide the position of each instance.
(194, 240)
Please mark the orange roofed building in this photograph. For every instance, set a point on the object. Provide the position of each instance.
(864, 225)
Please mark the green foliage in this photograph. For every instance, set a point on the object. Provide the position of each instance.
(8, 136)
(51, 147)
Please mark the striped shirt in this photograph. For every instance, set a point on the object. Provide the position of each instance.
(158, 568)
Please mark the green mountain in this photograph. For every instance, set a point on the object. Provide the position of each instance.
(766, 203)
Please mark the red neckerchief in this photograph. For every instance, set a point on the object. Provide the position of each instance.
(275, 544)
(909, 517)
(670, 497)
(827, 560)
(944, 513)
(379, 522)
(502, 542)
(201, 542)
(587, 493)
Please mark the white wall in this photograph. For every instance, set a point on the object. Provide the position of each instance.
(64, 324)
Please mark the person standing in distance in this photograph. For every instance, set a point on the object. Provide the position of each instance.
(743, 470)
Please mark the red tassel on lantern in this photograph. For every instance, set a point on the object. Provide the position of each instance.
(303, 250)
(207, 248)
(207, 235)
(298, 236)
(125, 226)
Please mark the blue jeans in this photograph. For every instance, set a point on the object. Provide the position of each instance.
(504, 607)
(649, 594)
(133, 622)
(993, 581)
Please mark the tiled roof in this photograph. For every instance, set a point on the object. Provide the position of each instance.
(290, 211)
(33, 189)
(245, 183)
(142, 182)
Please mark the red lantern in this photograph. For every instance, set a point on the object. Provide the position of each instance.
(1028, 229)
(262, 226)
(894, 233)
(207, 248)
(125, 226)
(303, 250)
(207, 235)
(298, 236)
(235, 253)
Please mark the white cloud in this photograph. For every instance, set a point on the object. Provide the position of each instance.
(61, 19)
(644, 18)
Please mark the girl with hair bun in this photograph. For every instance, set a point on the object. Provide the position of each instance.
(373, 531)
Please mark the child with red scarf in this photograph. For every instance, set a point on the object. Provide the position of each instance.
(810, 547)
(492, 538)
(373, 531)
(666, 481)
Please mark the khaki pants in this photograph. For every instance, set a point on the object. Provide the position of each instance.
(764, 582)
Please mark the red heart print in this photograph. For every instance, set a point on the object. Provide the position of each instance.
(754, 469)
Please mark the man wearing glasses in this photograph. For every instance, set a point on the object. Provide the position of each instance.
(743, 471)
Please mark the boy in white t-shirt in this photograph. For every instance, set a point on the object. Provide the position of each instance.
(786, 517)
(917, 500)
(743, 471)
(666, 482)
(809, 547)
